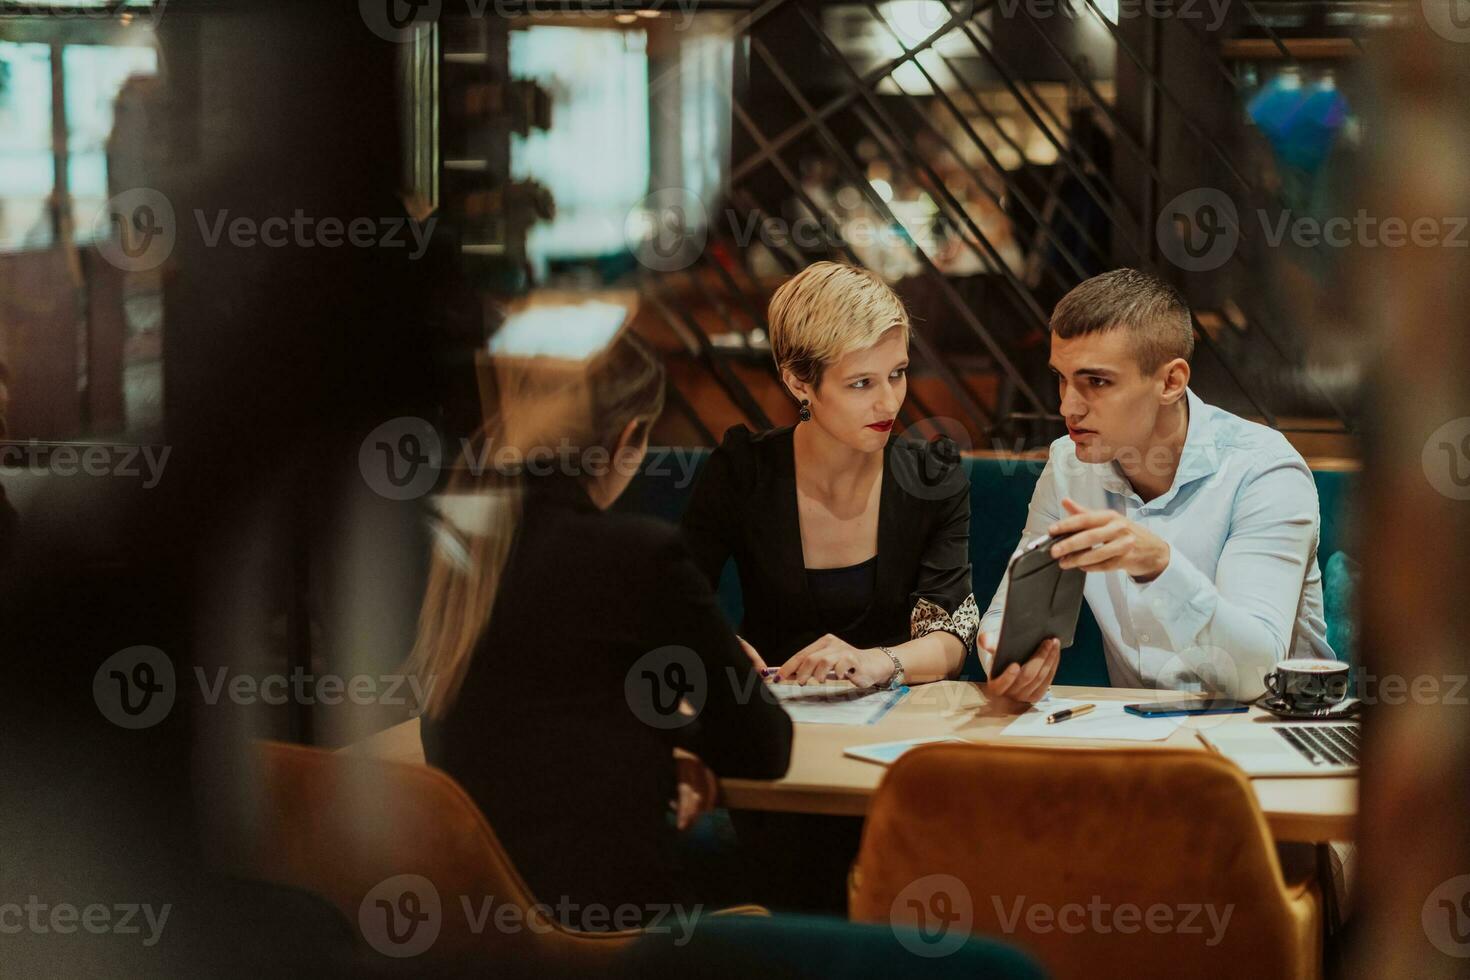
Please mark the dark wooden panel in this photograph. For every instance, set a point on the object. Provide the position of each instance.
(38, 339)
(106, 337)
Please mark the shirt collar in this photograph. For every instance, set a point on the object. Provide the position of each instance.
(1199, 457)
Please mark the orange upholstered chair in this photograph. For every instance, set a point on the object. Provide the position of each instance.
(394, 846)
(1100, 862)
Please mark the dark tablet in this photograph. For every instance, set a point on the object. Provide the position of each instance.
(1043, 600)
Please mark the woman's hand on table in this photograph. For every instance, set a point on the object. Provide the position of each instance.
(834, 655)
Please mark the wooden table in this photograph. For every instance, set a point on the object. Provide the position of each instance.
(822, 780)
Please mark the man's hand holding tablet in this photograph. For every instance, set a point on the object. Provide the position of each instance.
(1027, 682)
(1085, 541)
(1104, 540)
(1043, 599)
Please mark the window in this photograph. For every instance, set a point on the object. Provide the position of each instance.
(594, 158)
(81, 339)
(27, 167)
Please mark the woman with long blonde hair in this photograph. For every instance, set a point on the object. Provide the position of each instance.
(568, 651)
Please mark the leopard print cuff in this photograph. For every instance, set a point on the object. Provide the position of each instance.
(929, 616)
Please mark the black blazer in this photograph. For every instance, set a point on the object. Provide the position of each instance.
(744, 507)
(550, 734)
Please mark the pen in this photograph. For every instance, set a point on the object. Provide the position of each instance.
(1081, 709)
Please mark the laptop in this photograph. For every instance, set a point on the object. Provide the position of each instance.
(1289, 748)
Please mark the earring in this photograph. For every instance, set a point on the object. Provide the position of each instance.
(804, 412)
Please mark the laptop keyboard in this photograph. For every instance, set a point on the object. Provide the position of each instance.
(1323, 744)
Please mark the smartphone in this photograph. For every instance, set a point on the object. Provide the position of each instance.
(1165, 709)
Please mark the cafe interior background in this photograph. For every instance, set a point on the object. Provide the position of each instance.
(540, 171)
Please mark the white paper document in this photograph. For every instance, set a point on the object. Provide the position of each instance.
(834, 704)
(1107, 720)
(884, 753)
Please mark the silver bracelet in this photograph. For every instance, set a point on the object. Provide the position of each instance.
(897, 679)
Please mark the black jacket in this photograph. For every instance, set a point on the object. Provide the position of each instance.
(744, 507)
(564, 729)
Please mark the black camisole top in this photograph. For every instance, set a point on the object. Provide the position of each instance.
(843, 595)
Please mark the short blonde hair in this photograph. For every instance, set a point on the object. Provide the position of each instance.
(827, 310)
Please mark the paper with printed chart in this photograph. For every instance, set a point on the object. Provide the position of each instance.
(835, 704)
(1107, 720)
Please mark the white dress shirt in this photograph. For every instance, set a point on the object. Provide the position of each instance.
(1242, 589)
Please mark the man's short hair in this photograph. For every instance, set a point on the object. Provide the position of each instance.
(1154, 314)
(827, 310)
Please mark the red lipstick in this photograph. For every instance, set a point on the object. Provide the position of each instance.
(881, 426)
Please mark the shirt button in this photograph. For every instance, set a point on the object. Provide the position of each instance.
(1145, 638)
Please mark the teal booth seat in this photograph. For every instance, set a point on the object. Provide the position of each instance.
(737, 947)
(1000, 491)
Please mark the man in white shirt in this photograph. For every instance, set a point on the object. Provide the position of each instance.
(1198, 529)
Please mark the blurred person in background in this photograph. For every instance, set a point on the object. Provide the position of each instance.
(542, 611)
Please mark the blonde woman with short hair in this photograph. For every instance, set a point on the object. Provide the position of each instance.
(852, 546)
